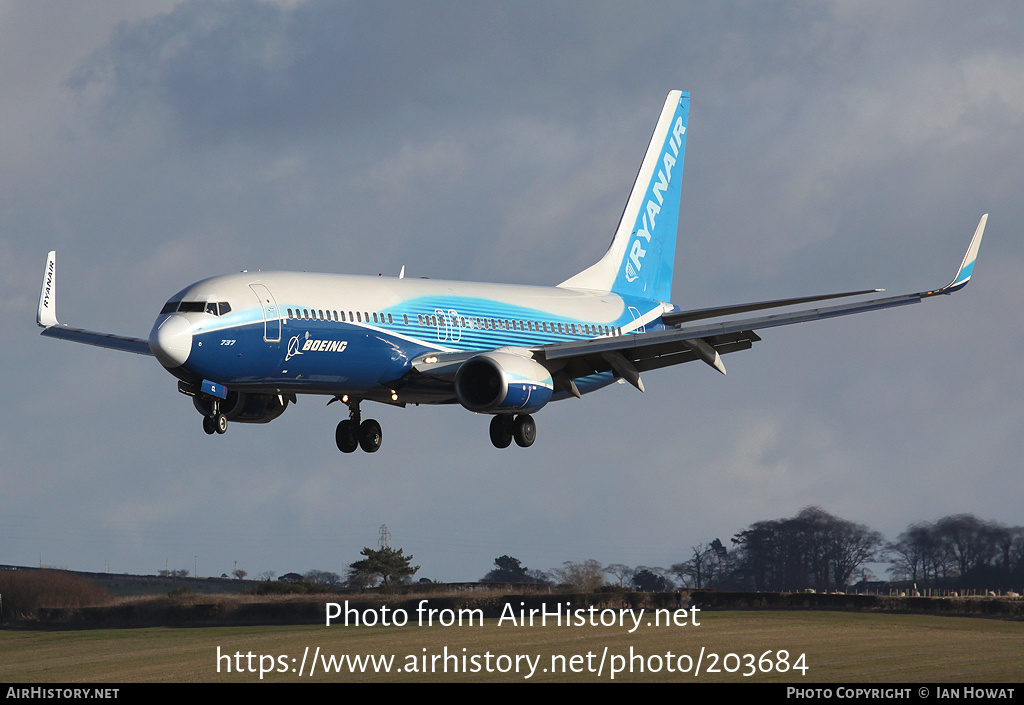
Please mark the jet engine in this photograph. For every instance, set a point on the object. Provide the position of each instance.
(503, 382)
(246, 407)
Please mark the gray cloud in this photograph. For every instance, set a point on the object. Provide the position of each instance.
(831, 146)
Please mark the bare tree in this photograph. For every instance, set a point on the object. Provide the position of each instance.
(851, 546)
(909, 554)
(581, 577)
(621, 571)
(971, 541)
(322, 577)
(696, 571)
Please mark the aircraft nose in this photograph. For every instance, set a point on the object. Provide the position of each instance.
(171, 341)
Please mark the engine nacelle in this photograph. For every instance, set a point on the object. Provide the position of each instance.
(501, 381)
(243, 407)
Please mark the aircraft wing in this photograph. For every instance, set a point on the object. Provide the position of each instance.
(631, 354)
(46, 317)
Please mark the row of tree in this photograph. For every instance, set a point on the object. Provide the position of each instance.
(960, 551)
(813, 549)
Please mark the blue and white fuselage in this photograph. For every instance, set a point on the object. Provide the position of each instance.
(245, 345)
(336, 334)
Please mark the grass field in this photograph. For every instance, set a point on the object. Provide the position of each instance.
(837, 646)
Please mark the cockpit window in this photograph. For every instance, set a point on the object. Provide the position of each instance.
(212, 307)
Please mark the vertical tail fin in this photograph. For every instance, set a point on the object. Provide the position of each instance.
(641, 258)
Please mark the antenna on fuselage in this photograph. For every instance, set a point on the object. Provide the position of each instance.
(401, 275)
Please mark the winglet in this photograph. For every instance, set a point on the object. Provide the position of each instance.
(46, 314)
(963, 275)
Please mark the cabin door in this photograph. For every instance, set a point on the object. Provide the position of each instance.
(271, 313)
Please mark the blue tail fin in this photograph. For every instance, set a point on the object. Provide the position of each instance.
(642, 254)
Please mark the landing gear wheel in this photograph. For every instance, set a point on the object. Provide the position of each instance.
(524, 430)
(501, 431)
(370, 436)
(345, 437)
(220, 423)
(208, 425)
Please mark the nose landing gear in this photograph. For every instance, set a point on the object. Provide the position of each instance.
(216, 422)
(353, 433)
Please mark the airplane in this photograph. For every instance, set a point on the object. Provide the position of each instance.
(245, 345)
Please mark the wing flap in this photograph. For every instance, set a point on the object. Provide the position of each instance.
(650, 355)
(636, 346)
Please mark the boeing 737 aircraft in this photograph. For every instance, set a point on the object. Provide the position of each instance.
(243, 346)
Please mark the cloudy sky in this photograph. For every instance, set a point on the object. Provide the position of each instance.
(831, 146)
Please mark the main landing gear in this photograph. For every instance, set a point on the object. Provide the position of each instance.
(352, 434)
(504, 428)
